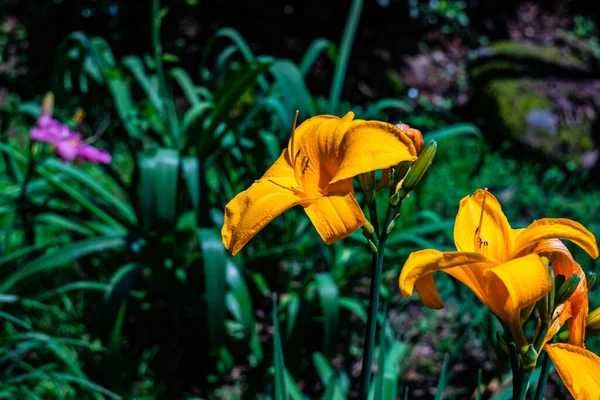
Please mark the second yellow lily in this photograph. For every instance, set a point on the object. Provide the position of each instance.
(499, 264)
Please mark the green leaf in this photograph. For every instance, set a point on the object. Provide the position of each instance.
(190, 168)
(81, 285)
(237, 84)
(293, 390)
(194, 118)
(64, 223)
(241, 294)
(65, 255)
(443, 382)
(315, 49)
(281, 392)
(215, 269)
(294, 91)
(328, 294)
(323, 367)
(374, 110)
(145, 191)
(341, 65)
(354, 306)
(185, 83)
(136, 67)
(293, 307)
(165, 174)
(123, 208)
(239, 42)
(62, 377)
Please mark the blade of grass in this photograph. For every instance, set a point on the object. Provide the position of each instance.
(58, 258)
(281, 392)
(443, 382)
(328, 295)
(341, 64)
(313, 52)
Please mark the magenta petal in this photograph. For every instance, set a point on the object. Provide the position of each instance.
(51, 131)
(67, 149)
(92, 154)
(44, 135)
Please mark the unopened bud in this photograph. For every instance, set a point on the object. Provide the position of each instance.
(562, 337)
(368, 183)
(399, 172)
(593, 322)
(79, 116)
(414, 134)
(419, 167)
(529, 357)
(590, 277)
(392, 225)
(48, 104)
(545, 303)
(368, 229)
(567, 289)
(551, 294)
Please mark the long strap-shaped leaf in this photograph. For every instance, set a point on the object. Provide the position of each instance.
(65, 255)
(214, 264)
(345, 49)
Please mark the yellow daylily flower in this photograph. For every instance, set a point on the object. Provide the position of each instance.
(578, 368)
(316, 171)
(495, 261)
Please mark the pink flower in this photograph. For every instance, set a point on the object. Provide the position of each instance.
(68, 144)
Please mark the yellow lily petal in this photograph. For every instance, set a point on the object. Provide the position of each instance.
(252, 209)
(516, 284)
(427, 292)
(372, 145)
(489, 234)
(562, 263)
(314, 151)
(578, 368)
(556, 228)
(425, 262)
(336, 215)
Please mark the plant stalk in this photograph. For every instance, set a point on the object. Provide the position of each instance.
(541, 386)
(376, 272)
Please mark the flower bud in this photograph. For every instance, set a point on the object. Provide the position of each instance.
(399, 172)
(551, 293)
(419, 167)
(545, 303)
(529, 357)
(593, 322)
(392, 225)
(48, 104)
(566, 290)
(414, 134)
(368, 229)
(367, 183)
(590, 277)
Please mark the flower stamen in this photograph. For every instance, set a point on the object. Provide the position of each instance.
(478, 241)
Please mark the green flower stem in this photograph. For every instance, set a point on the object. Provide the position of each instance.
(541, 386)
(376, 272)
(373, 216)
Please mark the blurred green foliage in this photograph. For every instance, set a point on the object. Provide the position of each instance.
(115, 283)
